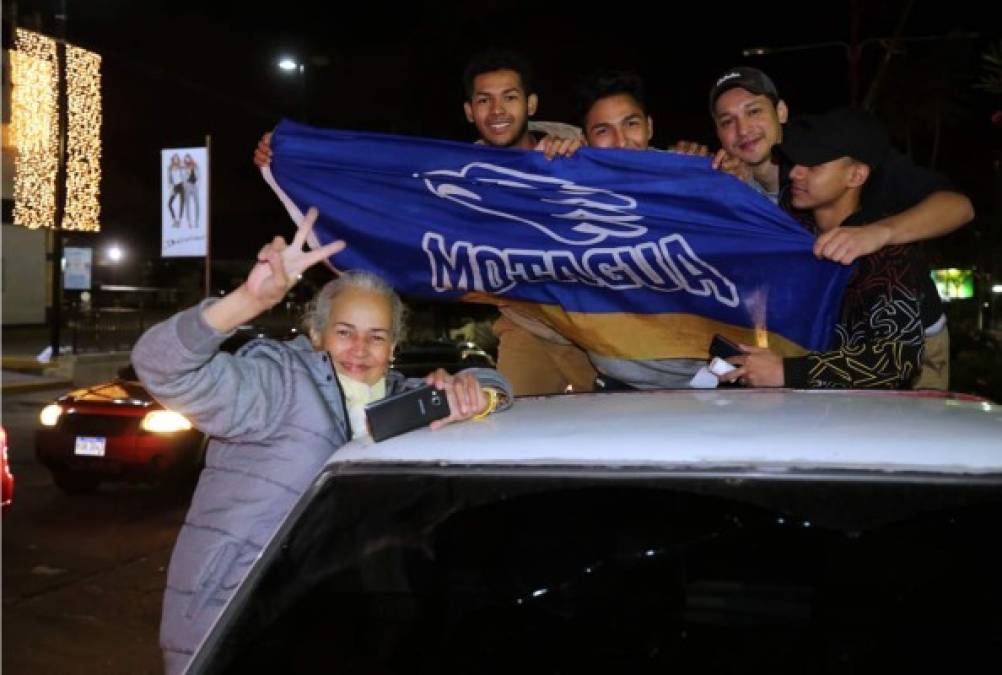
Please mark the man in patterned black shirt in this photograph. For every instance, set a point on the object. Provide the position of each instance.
(906, 203)
(878, 340)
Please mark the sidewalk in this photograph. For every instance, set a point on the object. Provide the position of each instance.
(99, 357)
(21, 372)
(14, 382)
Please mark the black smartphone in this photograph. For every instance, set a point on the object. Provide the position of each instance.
(722, 347)
(403, 412)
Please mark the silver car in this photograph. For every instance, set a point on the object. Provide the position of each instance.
(644, 532)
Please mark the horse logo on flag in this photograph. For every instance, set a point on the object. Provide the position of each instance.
(582, 216)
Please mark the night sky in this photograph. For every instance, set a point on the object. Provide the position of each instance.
(176, 71)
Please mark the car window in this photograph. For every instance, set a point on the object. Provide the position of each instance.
(468, 574)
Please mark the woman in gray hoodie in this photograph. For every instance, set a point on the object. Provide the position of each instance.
(275, 412)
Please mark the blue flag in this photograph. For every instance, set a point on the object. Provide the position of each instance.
(631, 254)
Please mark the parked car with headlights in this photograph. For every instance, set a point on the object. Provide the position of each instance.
(643, 532)
(113, 431)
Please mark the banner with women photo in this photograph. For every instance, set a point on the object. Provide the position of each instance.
(184, 203)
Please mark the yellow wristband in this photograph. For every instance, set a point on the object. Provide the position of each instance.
(492, 403)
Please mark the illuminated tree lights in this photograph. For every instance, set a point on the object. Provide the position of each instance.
(35, 130)
(83, 139)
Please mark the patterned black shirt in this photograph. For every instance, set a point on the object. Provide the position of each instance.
(878, 340)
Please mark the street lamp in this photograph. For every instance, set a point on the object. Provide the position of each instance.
(114, 255)
(853, 53)
(761, 51)
(290, 65)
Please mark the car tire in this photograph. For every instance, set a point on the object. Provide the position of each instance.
(75, 483)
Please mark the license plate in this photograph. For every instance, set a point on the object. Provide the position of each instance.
(89, 446)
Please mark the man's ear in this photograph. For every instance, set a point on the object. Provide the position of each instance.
(650, 128)
(782, 112)
(858, 174)
(468, 109)
(532, 101)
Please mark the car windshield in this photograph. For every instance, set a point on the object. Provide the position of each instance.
(472, 571)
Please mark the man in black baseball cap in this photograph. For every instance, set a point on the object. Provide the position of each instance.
(749, 116)
(832, 156)
(815, 139)
(751, 80)
(879, 338)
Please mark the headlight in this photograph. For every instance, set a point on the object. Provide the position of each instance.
(164, 422)
(50, 415)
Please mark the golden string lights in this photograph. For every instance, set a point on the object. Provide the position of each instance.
(36, 134)
(35, 128)
(83, 140)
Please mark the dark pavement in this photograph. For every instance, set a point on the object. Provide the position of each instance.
(83, 575)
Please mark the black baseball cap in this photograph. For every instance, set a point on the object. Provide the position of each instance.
(752, 79)
(815, 139)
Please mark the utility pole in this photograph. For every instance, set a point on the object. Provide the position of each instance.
(56, 315)
(889, 49)
(208, 215)
(853, 53)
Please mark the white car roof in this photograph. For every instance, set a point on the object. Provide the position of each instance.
(760, 430)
